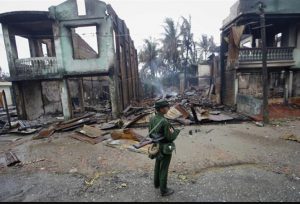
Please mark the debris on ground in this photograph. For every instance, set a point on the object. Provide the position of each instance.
(182, 110)
(128, 134)
(259, 124)
(125, 144)
(112, 124)
(32, 162)
(91, 131)
(76, 123)
(131, 110)
(11, 159)
(24, 124)
(208, 131)
(73, 170)
(135, 119)
(123, 185)
(182, 177)
(89, 182)
(219, 118)
(92, 180)
(183, 121)
(193, 106)
(143, 121)
(215, 112)
(87, 139)
(291, 137)
(45, 133)
(173, 113)
(27, 131)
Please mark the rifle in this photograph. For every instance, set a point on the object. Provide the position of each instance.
(146, 140)
(155, 138)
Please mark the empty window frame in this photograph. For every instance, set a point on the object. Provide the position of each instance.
(278, 38)
(246, 41)
(45, 49)
(81, 9)
(85, 42)
(23, 48)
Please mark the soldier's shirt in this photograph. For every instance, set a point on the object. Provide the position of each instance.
(164, 128)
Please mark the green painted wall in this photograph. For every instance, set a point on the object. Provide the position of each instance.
(66, 15)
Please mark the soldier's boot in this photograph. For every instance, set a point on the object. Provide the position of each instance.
(168, 192)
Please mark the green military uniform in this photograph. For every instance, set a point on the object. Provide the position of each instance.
(164, 157)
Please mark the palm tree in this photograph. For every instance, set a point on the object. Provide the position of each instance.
(171, 44)
(149, 57)
(188, 44)
(207, 45)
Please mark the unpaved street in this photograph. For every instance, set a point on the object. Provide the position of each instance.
(233, 162)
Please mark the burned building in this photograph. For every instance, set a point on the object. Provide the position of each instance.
(241, 54)
(76, 57)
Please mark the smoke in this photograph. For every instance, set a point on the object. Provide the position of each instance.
(159, 90)
(158, 87)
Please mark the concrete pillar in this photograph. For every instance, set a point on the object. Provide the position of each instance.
(81, 96)
(38, 48)
(292, 38)
(113, 91)
(291, 83)
(286, 88)
(236, 87)
(53, 54)
(57, 45)
(65, 99)
(19, 100)
(11, 48)
(32, 47)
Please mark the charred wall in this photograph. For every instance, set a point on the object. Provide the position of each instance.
(51, 97)
(32, 93)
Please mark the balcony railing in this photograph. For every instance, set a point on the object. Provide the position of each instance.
(273, 54)
(33, 67)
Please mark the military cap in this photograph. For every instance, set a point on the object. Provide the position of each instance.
(161, 104)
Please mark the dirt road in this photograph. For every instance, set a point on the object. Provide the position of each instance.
(233, 162)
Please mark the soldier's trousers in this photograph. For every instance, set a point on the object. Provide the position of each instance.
(161, 171)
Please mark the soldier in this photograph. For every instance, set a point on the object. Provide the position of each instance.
(166, 146)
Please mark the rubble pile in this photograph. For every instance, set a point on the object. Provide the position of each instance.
(97, 125)
(191, 107)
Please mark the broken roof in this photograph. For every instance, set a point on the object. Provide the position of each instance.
(23, 16)
(34, 23)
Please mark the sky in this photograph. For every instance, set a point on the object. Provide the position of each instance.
(144, 18)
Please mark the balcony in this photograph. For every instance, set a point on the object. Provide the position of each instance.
(276, 57)
(35, 68)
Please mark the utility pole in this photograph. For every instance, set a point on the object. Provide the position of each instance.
(265, 74)
(185, 71)
(186, 41)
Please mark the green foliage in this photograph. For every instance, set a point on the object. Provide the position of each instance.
(177, 50)
(171, 45)
(207, 46)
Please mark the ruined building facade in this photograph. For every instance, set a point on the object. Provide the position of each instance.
(65, 67)
(241, 55)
